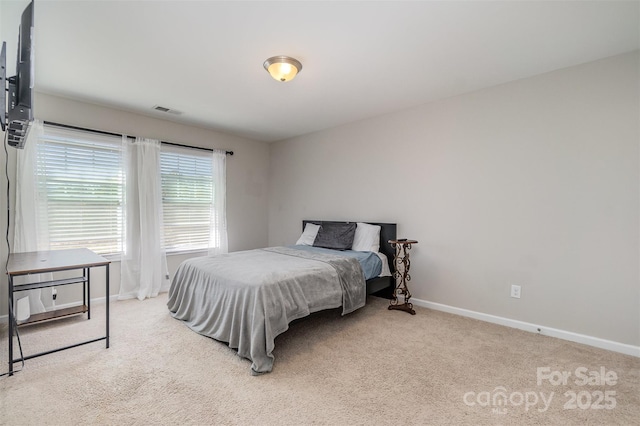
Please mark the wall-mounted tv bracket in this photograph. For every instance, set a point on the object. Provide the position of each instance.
(3, 84)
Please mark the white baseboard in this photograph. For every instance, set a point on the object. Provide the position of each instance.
(533, 328)
(96, 301)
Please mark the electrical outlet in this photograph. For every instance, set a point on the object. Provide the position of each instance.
(515, 291)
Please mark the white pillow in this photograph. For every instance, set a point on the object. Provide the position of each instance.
(309, 235)
(386, 271)
(367, 238)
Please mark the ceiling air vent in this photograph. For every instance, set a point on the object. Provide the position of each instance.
(167, 110)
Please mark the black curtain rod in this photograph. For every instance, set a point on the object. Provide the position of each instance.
(102, 132)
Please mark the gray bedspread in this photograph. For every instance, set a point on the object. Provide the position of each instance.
(248, 298)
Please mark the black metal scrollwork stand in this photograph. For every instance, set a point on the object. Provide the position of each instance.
(401, 275)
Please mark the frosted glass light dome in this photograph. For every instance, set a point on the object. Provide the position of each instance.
(282, 68)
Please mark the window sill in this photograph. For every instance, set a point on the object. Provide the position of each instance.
(202, 252)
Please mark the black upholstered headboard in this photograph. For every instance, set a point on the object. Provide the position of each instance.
(387, 232)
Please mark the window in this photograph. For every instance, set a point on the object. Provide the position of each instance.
(187, 197)
(80, 189)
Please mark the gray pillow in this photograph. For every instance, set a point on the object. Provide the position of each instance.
(336, 236)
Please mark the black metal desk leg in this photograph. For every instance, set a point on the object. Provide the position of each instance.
(84, 287)
(88, 272)
(107, 300)
(10, 305)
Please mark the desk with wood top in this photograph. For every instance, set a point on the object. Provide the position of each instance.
(40, 262)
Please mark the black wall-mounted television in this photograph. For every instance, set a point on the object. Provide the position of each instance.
(18, 105)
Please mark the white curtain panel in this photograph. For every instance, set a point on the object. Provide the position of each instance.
(28, 224)
(144, 270)
(218, 243)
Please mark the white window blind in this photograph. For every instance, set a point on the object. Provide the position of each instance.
(187, 197)
(81, 188)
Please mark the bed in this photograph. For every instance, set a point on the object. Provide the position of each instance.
(247, 298)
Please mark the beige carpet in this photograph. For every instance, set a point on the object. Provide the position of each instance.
(371, 367)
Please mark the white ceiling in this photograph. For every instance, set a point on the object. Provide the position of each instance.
(360, 59)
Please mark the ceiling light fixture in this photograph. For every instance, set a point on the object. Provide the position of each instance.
(282, 68)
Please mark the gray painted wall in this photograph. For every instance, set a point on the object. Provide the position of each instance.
(534, 183)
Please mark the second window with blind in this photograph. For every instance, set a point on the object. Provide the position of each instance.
(187, 197)
(81, 189)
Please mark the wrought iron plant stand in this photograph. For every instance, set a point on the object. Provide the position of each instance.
(401, 275)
